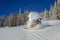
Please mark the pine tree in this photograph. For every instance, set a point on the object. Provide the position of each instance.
(25, 15)
(20, 20)
(11, 20)
(1, 21)
(5, 22)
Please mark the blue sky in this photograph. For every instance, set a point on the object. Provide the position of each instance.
(8, 6)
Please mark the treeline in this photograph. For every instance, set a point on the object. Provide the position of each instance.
(14, 20)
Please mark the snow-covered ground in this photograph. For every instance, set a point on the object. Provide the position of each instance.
(19, 33)
(12, 33)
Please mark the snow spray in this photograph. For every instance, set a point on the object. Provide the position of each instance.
(32, 16)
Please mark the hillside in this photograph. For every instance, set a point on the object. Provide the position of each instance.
(19, 33)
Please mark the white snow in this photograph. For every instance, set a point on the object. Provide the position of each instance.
(12, 33)
(32, 16)
(47, 33)
(19, 33)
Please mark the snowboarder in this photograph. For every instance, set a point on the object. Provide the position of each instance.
(35, 22)
(38, 21)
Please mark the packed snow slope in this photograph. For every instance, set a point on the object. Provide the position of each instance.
(12, 33)
(19, 33)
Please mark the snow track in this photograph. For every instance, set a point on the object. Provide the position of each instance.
(19, 33)
(50, 33)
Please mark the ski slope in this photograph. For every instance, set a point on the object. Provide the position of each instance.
(50, 33)
(19, 33)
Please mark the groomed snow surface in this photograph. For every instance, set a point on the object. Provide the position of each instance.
(19, 33)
